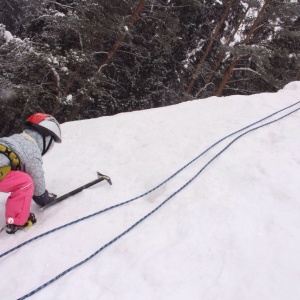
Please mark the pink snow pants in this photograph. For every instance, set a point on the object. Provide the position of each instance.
(20, 185)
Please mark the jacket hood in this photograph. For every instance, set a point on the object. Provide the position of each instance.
(38, 138)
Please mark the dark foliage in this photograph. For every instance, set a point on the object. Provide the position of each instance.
(79, 59)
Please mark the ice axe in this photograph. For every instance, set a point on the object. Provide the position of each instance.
(100, 178)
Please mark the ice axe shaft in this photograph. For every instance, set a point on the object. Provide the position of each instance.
(101, 177)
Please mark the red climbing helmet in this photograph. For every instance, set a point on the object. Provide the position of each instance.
(45, 124)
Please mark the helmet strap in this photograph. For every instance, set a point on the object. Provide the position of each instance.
(46, 147)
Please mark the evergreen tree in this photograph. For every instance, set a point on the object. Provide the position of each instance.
(78, 59)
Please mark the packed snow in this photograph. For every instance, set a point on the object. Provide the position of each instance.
(231, 233)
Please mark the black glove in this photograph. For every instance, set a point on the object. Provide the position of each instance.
(44, 199)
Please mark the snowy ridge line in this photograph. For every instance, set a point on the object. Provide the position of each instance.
(148, 192)
(155, 209)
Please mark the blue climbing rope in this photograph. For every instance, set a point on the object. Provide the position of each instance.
(148, 192)
(155, 209)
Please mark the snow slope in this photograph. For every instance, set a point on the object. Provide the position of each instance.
(232, 233)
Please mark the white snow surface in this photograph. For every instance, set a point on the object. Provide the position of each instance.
(232, 233)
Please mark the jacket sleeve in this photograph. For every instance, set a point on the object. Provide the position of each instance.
(35, 170)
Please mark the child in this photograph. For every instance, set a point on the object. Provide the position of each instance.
(21, 170)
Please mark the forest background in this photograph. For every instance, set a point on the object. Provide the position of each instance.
(80, 59)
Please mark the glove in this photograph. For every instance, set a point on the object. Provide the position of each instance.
(44, 199)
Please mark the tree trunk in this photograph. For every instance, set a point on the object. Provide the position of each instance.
(298, 75)
(110, 55)
(218, 64)
(200, 63)
(245, 42)
(121, 36)
(226, 77)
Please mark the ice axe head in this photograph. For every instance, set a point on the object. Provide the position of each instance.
(104, 177)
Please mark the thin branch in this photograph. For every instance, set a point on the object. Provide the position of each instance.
(61, 5)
